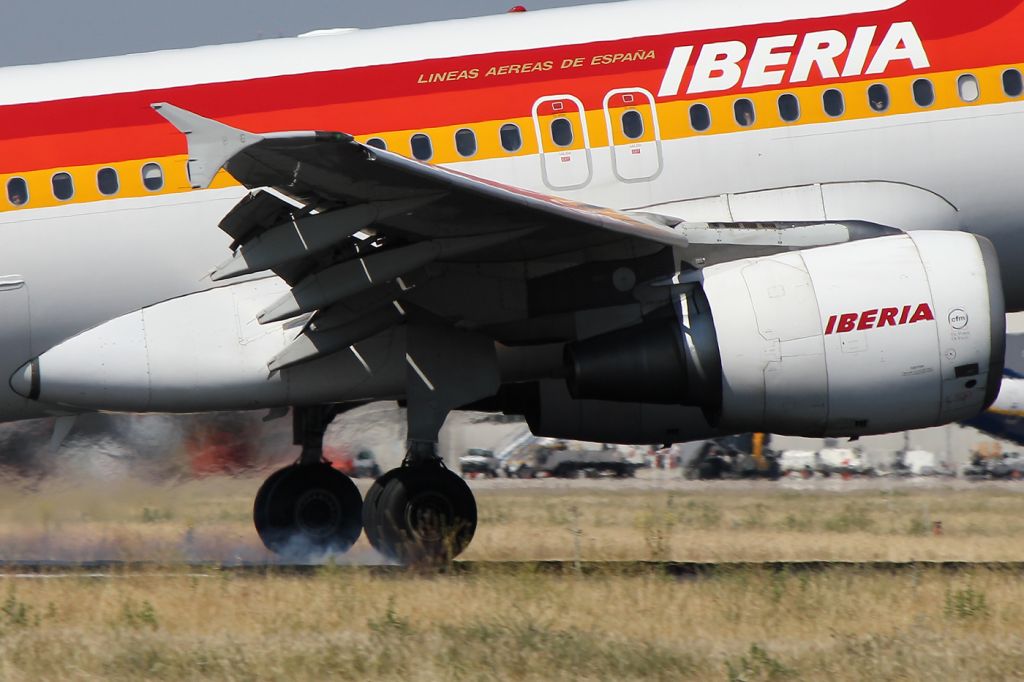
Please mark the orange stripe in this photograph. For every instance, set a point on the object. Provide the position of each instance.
(673, 118)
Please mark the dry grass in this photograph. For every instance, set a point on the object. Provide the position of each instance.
(498, 624)
(211, 520)
(345, 624)
(753, 523)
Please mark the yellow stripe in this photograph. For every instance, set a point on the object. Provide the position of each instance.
(673, 119)
(1006, 413)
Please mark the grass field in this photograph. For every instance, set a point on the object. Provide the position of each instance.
(345, 624)
(211, 520)
(496, 623)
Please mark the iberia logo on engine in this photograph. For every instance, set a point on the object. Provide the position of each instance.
(876, 318)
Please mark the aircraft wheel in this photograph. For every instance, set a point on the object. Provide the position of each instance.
(306, 510)
(371, 507)
(420, 514)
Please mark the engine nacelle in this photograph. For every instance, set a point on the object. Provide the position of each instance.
(860, 338)
(550, 411)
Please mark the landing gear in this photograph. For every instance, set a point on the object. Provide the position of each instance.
(310, 508)
(307, 510)
(420, 513)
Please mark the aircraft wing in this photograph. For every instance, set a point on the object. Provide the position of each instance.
(354, 229)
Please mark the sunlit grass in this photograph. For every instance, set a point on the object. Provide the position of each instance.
(170, 621)
(211, 520)
(500, 625)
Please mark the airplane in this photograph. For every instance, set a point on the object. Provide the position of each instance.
(1004, 419)
(636, 222)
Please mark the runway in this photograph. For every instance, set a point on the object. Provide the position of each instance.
(683, 570)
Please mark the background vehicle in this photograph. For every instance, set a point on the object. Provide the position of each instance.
(743, 456)
(478, 461)
(559, 459)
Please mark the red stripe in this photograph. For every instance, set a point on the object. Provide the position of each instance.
(389, 97)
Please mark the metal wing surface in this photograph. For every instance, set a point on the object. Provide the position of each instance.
(364, 236)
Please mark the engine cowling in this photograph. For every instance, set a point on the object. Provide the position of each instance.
(860, 338)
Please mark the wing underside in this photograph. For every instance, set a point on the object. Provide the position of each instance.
(365, 238)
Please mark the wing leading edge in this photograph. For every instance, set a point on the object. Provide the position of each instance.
(364, 236)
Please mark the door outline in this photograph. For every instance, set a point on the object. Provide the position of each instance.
(540, 141)
(609, 127)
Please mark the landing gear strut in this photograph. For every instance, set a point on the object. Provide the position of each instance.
(420, 513)
(309, 508)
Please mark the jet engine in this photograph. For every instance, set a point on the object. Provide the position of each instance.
(859, 338)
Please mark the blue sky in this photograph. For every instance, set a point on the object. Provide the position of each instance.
(55, 30)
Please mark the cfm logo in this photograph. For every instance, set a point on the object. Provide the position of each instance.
(725, 65)
(876, 318)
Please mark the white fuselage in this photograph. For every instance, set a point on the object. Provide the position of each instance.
(952, 168)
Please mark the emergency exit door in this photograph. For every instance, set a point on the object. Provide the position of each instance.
(633, 133)
(564, 142)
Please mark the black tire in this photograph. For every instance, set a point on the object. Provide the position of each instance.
(305, 511)
(259, 507)
(371, 506)
(422, 514)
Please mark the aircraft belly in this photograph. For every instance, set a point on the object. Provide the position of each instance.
(82, 266)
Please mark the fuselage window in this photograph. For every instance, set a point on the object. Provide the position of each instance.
(789, 108)
(878, 97)
(107, 182)
(744, 110)
(1013, 83)
(832, 101)
(153, 177)
(632, 124)
(422, 149)
(924, 92)
(17, 191)
(561, 132)
(465, 142)
(63, 186)
(967, 86)
(377, 142)
(700, 117)
(511, 137)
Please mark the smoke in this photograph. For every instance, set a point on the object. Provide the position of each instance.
(162, 488)
(299, 551)
(155, 448)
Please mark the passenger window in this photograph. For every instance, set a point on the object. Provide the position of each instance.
(153, 177)
(744, 110)
(924, 92)
(561, 132)
(967, 86)
(878, 97)
(789, 108)
(17, 191)
(465, 142)
(832, 101)
(63, 186)
(107, 182)
(632, 124)
(700, 117)
(377, 143)
(422, 148)
(1013, 83)
(511, 137)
